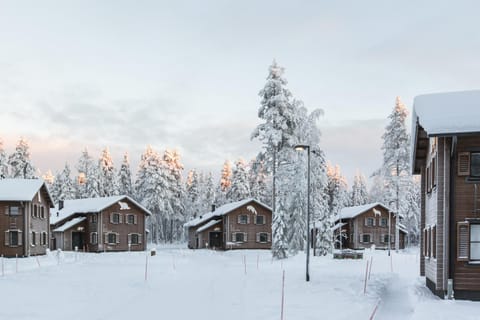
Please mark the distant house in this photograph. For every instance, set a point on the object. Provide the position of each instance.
(99, 224)
(446, 153)
(245, 224)
(367, 225)
(24, 217)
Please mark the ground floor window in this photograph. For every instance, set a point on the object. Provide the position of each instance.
(263, 237)
(112, 238)
(475, 242)
(44, 238)
(366, 238)
(239, 237)
(384, 238)
(33, 238)
(134, 238)
(93, 238)
(13, 238)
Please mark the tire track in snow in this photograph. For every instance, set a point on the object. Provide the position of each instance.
(396, 302)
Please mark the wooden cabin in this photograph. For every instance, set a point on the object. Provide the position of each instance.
(245, 224)
(24, 217)
(446, 153)
(114, 223)
(366, 226)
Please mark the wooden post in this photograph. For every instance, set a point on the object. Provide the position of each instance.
(258, 258)
(16, 263)
(370, 269)
(146, 265)
(283, 295)
(365, 285)
(3, 267)
(173, 262)
(245, 263)
(38, 261)
(391, 263)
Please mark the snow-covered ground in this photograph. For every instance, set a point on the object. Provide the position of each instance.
(204, 284)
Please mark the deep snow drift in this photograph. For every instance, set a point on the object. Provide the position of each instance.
(204, 284)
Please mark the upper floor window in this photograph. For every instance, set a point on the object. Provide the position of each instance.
(93, 218)
(42, 212)
(131, 219)
(243, 219)
(259, 219)
(35, 212)
(369, 222)
(115, 218)
(384, 222)
(469, 165)
(14, 211)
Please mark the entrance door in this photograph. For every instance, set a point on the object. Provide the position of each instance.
(77, 240)
(215, 240)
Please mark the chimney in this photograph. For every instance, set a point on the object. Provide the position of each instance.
(60, 204)
(213, 207)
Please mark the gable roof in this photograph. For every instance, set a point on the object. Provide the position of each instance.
(21, 189)
(223, 210)
(88, 205)
(69, 224)
(352, 212)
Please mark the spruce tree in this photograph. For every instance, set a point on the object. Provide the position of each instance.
(3, 162)
(239, 188)
(63, 187)
(359, 195)
(125, 177)
(19, 161)
(107, 176)
(87, 184)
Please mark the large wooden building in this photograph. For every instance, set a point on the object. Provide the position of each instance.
(446, 153)
(245, 224)
(114, 223)
(24, 217)
(366, 226)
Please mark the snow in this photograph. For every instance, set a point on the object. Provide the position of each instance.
(19, 189)
(208, 225)
(87, 205)
(448, 113)
(69, 224)
(203, 284)
(352, 212)
(221, 211)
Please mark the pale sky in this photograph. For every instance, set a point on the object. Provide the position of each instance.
(186, 74)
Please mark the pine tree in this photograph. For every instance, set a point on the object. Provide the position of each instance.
(359, 195)
(88, 184)
(19, 161)
(63, 187)
(225, 183)
(193, 195)
(3, 162)
(107, 175)
(259, 182)
(239, 188)
(125, 178)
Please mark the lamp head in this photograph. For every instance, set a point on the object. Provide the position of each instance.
(301, 147)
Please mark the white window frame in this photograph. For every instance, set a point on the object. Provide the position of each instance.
(263, 218)
(93, 237)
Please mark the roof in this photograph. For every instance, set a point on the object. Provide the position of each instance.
(208, 225)
(88, 205)
(337, 225)
(442, 114)
(220, 211)
(69, 224)
(352, 212)
(21, 189)
(448, 113)
(402, 228)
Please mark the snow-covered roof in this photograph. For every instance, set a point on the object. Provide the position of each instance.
(352, 212)
(337, 225)
(220, 211)
(69, 224)
(208, 225)
(448, 113)
(20, 189)
(402, 228)
(88, 205)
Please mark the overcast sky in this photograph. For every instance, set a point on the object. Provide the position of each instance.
(186, 74)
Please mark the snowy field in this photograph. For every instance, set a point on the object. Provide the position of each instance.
(202, 284)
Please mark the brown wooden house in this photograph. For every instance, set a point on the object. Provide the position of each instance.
(24, 217)
(366, 226)
(446, 153)
(245, 224)
(114, 223)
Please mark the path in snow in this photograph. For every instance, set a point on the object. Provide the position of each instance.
(395, 300)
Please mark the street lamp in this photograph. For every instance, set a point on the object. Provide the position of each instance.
(389, 227)
(301, 147)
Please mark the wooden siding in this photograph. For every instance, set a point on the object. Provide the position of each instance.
(466, 276)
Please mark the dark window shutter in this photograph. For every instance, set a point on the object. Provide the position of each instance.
(7, 238)
(463, 241)
(20, 238)
(464, 163)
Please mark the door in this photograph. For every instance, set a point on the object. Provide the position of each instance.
(215, 240)
(77, 240)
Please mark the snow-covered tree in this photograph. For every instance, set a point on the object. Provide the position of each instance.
(259, 182)
(63, 187)
(225, 183)
(239, 188)
(208, 192)
(107, 175)
(20, 163)
(359, 195)
(125, 177)
(88, 181)
(3, 162)
(337, 190)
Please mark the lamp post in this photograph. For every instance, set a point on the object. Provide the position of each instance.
(389, 227)
(302, 147)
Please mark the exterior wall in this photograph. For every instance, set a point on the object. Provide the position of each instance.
(8, 222)
(192, 240)
(375, 231)
(38, 224)
(104, 226)
(422, 220)
(204, 236)
(251, 229)
(466, 279)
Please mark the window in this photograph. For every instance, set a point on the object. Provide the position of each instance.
(13, 238)
(425, 242)
(239, 237)
(259, 219)
(384, 238)
(33, 239)
(112, 238)
(93, 218)
(475, 164)
(115, 218)
(131, 219)
(243, 219)
(35, 213)
(384, 222)
(434, 242)
(475, 242)
(14, 211)
(42, 212)
(134, 238)
(262, 237)
(44, 238)
(93, 238)
(366, 238)
(369, 222)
